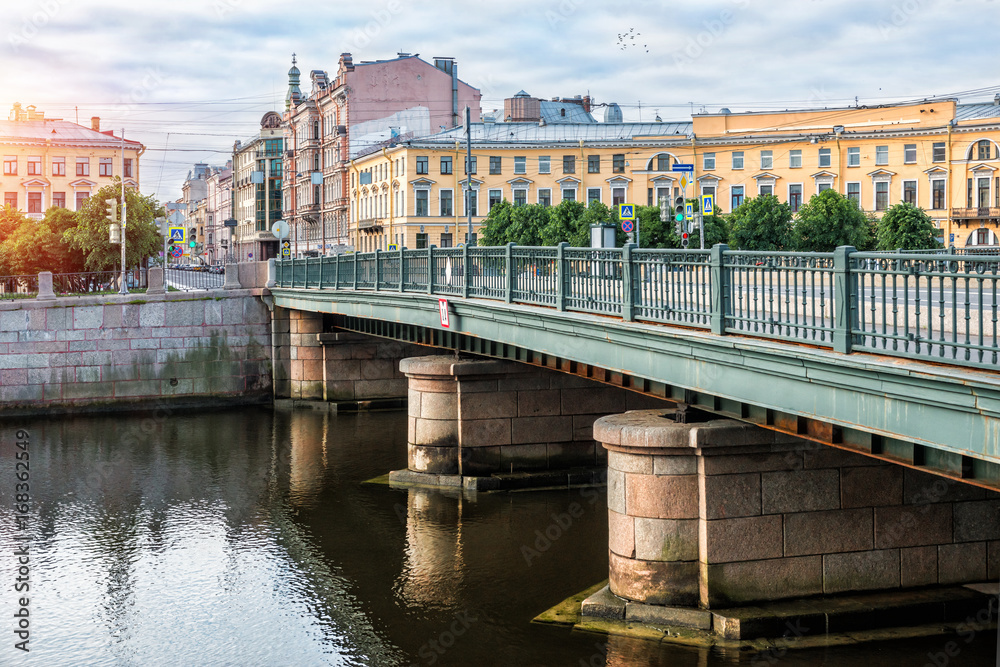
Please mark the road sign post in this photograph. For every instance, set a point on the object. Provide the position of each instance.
(626, 213)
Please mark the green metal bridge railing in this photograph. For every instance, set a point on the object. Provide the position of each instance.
(940, 307)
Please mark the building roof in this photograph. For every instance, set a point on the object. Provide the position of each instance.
(59, 132)
(977, 111)
(533, 133)
(552, 112)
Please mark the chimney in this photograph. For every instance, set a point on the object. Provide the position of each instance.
(996, 100)
(95, 123)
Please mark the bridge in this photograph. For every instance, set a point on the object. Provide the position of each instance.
(890, 355)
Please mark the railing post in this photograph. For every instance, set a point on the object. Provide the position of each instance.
(336, 273)
(628, 289)
(843, 299)
(402, 267)
(720, 288)
(465, 271)
(355, 286)
(561, 275)
(378, 267)
(322, 263)
(510, 282)
(430, 269)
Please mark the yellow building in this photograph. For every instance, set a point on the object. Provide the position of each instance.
(52, 162)
(939, 155)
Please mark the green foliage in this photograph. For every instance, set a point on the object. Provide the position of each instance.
(829, 220)
(91, 235)
(10, 220)
(716, 231)
(906, 227)
(762, 223)
(39, 246)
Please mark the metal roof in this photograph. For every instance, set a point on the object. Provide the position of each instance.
(976, 111)
(56, 132)
(528, 133)
(552, 112)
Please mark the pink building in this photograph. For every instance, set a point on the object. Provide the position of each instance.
(367, 106)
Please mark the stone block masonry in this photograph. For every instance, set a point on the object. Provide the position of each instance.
(109, 352)
(719, 513)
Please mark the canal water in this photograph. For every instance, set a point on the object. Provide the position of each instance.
(248, 537)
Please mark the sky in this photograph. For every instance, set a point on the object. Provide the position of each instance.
(189, 77)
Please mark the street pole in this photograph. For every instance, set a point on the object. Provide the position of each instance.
(468, 173)
(124, 287)
(701, 226)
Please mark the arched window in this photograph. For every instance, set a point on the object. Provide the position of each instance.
(659, 162)
(983, 149)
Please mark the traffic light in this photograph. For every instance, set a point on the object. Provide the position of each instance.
(679, 212)
(684, 239)
(111, 210)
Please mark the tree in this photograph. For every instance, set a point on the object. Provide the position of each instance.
(829, 220)
(906, 227)
(761, 223)
(10, 220)
(91, 234)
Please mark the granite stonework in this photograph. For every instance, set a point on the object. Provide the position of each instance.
(477, 417)
(715, 513)
(106, 352)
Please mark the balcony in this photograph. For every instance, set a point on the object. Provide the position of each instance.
(370, 226)
(980, 213)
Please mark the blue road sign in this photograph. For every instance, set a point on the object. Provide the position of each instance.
(689, 211)
(626, 212)
(707, 204)
(627, 226)
(177, 234)
(679, 166)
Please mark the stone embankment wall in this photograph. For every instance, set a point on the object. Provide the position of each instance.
(110, 352)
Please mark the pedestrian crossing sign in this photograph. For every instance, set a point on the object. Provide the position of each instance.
(176, 234)
(393, 247)
(626, 212)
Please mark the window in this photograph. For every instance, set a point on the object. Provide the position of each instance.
(824, 157)
(854, 193)
(569, 164)
(569, 194)
(35, 165)
(968, 193)
(881, 195)
(707, 190)
(473, 241)
(854, 156)
(593, 164)
(105, 168)
(422, 161)
(83, 166)
(737, 159)
(421, 241)
(881, 155)
(544, 164)
(446, 165)
(938, 152)
(10, 199)
(937, 194)
(766, 160)
(795, 196)
(983, 149)
(662, 163)
(737, 196)
(81, 197)
(58, 166)
(447, 203)
(820, 187)
(708, 161)
(470, 165)
(520, 164)
(59, 199)
(472, 202)
(34, 202)
(795, 159)
(128, 167)
(909, 153)
(520, 197)
(10, 165)
(495, 162)
(765, 189)
(545, 196)
(910, 192)
(617, 196)
(593, 194)
(618, 163)
(446, 240)
(422, 203)
(984, 192)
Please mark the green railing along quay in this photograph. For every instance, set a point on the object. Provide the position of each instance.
(940, 307)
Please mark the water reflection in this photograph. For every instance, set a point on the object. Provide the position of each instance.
(434, 565)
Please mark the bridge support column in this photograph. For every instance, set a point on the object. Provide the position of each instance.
(481, 418)
(719, 513)
(298, 354)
